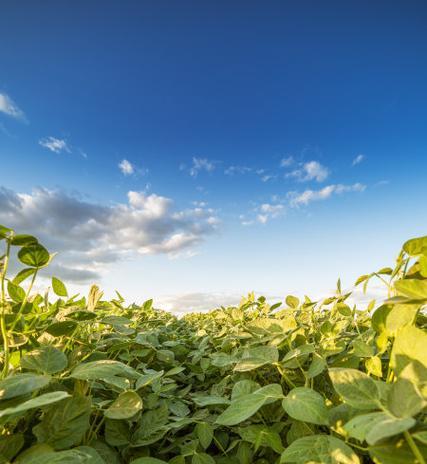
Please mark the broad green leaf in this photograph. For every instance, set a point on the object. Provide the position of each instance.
(294, 357)
(416, 246)
(22, 275)
(202, 458)
(15, 292)
(376, 426)
(355, 387)
(23, 240)
(97, 370)
(34, 255)
(257, 357)
(409, 346)
(21, 384)
(72, 456)
(59, 287)
(400, 316)
(404, 399)
(58, 329)
(306, 405)
(205, 433)
(388, 427)
(359, 426)
(46, 359)
(247, 405)
(412, 288)
(319, 449)
(292, 301)
(37, 402)
(244, 387)
(262, 435)
(65, 424)
(10, 445)
(152, 427)
(125, 406)
(397, 452)
(317, 366)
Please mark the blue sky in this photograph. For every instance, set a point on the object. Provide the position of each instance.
(270, 146)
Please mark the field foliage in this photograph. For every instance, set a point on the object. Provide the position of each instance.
(85, 380)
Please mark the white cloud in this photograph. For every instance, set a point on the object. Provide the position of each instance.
(358, 159)
(201, 164)
(89, 235)
(126, 167)
(262, 214)
(9, 107)
(54, 144)
(312, 170)
(232, 170)
(308, 196)
(286, 162)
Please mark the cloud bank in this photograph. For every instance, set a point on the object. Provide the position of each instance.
(89, 236)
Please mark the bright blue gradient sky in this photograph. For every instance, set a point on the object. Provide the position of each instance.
(272, 146)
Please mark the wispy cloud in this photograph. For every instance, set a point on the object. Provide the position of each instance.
(126, 167)
(9, 107)
(200, 164)
(268, 211)
(287, 161)
(312, 170)
(302, 199)
(55, 145)
(89, 236)
(358, 159)
(263, 213)
(233, 170)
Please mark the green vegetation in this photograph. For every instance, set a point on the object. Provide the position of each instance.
(93, 381)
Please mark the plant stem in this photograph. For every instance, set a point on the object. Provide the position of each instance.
(414, 447)
(4, 332)
(24, 301)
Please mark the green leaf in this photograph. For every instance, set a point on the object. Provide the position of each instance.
(247, 405)
(16, 293)
(202, 458)
(416, 246)
(21, 384)
(400, 316)
(23, 274)
(125, 406)
(59, 287)
(292, 301)
(409, 345)
(319, 449)
(257, 357)
(262, 435)
(306, 405)
(73, 456)
(10, 445)
(64, 425)
(58, 329)
(97, 370)
(404, 399)
(38, 402)
(152, 427)
(355, 387)
(397, 452)
(359, 426)
(412, 288)
(46, 359)
(204, 433)
(23, 240)
(34, 256)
